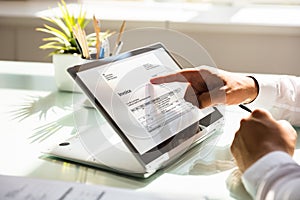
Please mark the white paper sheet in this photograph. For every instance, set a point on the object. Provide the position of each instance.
(21, 188)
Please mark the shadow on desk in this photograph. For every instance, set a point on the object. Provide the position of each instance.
(42, 106)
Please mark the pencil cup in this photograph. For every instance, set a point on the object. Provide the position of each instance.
(61, 63)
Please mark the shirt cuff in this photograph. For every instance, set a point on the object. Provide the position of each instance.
(255, 174)
(267, 92)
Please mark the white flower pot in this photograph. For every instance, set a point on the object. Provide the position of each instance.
(61, 63)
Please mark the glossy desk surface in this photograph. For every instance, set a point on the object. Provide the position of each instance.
(34, 115)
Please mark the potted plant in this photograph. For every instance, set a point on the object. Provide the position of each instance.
(65, 51)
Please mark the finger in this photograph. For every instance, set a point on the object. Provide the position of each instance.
(238, 150)
(290, 129)
(234, 148)
(286, 125)
(176, 77)
(290, 136)
(261, 113)
(234, 143)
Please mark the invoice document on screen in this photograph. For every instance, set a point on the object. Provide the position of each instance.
(148, 114)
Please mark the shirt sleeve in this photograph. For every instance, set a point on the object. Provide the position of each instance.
(276, 171)
(280, 95)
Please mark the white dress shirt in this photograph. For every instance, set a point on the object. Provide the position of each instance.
(276, 175)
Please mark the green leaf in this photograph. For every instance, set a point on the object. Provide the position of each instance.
(62, 30)
(103, 35)
(47, 19)
(57, 33)
(52, 45)
(81, 20)
(58, 47)
(53, 39)
(73, 43)
(62, 25)
(85, 23)
(66, 16)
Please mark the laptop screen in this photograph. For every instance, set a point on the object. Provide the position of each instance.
(151, 119)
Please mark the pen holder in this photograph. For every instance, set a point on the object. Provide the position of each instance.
(62, 62)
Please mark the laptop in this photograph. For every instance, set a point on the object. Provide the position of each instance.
(136, 127)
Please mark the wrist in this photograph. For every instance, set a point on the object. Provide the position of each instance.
(253, 89)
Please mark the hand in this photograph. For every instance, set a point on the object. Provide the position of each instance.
(260, 134)
(209, 86)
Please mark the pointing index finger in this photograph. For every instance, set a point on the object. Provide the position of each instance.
(176, 77)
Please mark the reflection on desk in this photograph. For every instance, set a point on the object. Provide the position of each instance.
(34, 115)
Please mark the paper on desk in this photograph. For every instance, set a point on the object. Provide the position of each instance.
(17, 188)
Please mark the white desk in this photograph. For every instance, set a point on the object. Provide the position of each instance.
(34, 115)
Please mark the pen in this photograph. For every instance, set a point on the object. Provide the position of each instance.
(119, 48)
(245, 108)
(80, 35)
(79, 47)
(84, 41)
(101, 52)
(119, 37)
(79, 42)
(98, 41)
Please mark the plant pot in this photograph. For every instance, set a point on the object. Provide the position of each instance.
(62, 62)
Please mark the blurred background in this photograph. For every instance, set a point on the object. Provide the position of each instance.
(261, 36)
